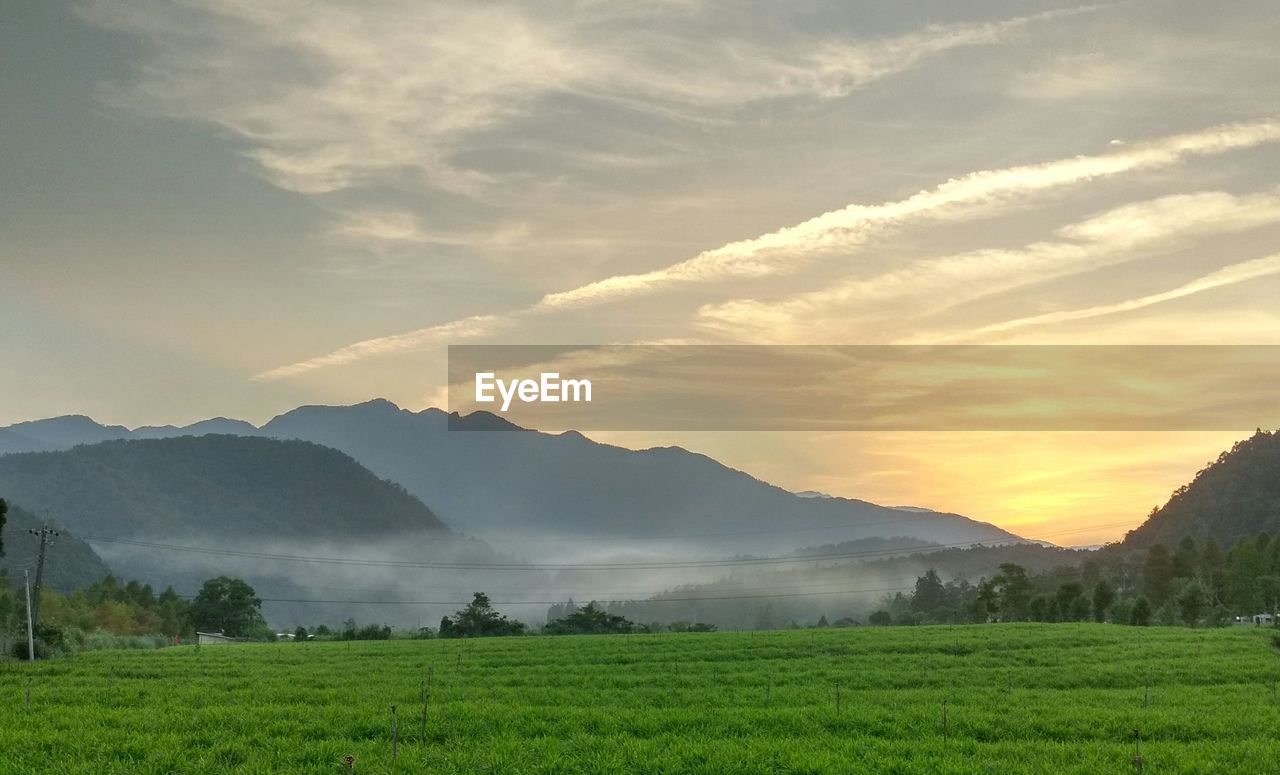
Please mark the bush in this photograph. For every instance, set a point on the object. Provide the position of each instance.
(54, 642)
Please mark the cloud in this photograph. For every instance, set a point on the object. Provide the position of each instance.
(466, 328)
(389, 225)
(937, 283)
(784, 250)
(1082, 76)
(1228, 275)
(787, 249)
(326, 96)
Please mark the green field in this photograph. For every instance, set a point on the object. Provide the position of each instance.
(1020, 698)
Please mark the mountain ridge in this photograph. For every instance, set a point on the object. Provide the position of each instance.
(527, 482)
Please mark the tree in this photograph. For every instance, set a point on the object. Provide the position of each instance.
(300, 634)
(173, 612)
(1186, 559)
(880, 618)
(589, 620)
(930, 594)
(4, 510)
(1070, 597)
(229, 606)
(1038, 609)
(1191, 603)
(984, 603)
(1212, 561)
(1014, 592)
(766, 619)
(1241, 590)
(1103, 598)
(477, 620)
(1141, 615)
(1157, 574)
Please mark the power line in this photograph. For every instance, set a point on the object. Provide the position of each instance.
(626, 594)
(556, 602)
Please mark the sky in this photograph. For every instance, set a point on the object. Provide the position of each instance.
(224, 207)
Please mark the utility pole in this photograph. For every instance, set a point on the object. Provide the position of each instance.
(46, 535)
(31, 637)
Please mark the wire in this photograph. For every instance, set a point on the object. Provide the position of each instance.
(557, 602)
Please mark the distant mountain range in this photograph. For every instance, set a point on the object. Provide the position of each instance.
(513, 486)
(330, 503)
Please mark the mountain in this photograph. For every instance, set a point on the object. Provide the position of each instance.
(72, 563)
(301, 522)
(1236, 496)
(221, 486)
(532, 484)
(564, 490)
(219, 425)
(12, 441)
(64, 433)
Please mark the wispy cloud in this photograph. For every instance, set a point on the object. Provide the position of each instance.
(1233, 274)
(977, 194)
(934, 284)
(389, 225)
(466, 328)
(785, 250)
(327, 97)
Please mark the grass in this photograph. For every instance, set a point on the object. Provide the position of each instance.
(1019, 699)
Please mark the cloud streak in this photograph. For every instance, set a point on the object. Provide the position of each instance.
(1121, 234)
(1233, 274)
(977, 194)
(466, 328)
(784, 250)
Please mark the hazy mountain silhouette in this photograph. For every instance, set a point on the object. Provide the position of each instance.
(1236, 496)
(64, 433)
(228, 486)
(220, 425)
(514, 484)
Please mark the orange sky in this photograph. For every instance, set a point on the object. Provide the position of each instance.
(1070, 488)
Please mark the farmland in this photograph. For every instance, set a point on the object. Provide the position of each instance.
(1019, 698)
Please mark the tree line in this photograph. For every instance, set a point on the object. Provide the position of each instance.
(1195, 584)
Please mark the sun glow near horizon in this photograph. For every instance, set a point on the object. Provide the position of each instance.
(1072, 488)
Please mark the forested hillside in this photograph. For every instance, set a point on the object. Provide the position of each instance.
(75, 563)
(227, 486)
(1237, 496)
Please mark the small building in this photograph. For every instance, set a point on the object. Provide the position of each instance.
(1257, 620)
(212, 639)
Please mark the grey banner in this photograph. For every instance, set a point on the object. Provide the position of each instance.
(865, 387)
